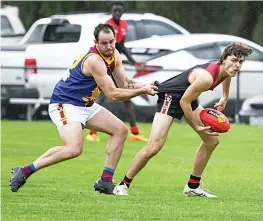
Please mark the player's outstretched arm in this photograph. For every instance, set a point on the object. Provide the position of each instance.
(202, 82)
(226, 87)
(126, 52)
(121, 78)
(221, 104)
(95, 66)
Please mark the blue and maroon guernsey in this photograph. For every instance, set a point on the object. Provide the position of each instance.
(77, 89)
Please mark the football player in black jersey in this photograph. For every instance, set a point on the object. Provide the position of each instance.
(177, 98)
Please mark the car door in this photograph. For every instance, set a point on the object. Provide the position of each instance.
(205, 52)
(6, 27)
(132, 33)
(135, 30)
(159, 28)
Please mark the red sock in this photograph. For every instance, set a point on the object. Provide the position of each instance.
(28, 171)
(107, 175)
(135, 130)
(194, 182)
(92, 132)
(127, 181)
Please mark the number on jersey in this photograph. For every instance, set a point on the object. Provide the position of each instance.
(66, 75)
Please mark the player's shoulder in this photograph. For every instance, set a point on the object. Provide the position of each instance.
(109, 21)
(117, 56)
(124, 22)
(213, 65)
(93, 59)
(202, 74)
(207, 67)
(117, 53)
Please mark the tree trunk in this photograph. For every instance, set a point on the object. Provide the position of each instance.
(249, 19)
(80, 5)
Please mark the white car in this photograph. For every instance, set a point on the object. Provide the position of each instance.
(51, 44)
(12, 28)
(79, 27)
(252, 110)
(167, 56)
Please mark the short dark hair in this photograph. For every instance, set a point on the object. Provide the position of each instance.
(237, 49)
(103, 27)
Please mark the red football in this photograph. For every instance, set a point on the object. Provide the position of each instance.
(214, 118)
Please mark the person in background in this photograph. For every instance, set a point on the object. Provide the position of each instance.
(121, 28)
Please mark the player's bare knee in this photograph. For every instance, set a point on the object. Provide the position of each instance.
(156, 141)
(74, 150)
(121, 130)
(153, 147)
(153, 151)
(150, 151)
(212, 142)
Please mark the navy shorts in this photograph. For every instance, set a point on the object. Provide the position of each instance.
(169, 103)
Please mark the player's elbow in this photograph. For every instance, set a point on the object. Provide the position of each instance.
(112, 96)
(183, 102)
(110, 93)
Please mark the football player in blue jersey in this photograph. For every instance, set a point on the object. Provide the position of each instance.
(121, 28)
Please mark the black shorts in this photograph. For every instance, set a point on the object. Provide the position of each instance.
(169, 103)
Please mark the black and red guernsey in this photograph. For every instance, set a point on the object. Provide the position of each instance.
(172, 90)
(181, 82)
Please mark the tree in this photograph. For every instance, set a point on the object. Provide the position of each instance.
(249, 19)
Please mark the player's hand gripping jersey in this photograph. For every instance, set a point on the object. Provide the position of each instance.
(76, 88)
(172, 90)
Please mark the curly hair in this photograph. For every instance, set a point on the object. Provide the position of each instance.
(237, 49)
(105, 28)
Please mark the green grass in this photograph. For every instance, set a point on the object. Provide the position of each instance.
(65, 191)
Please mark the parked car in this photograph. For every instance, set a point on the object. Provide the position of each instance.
(51, 45)
(252, 110)
(167, 56)
(12, 31)
(12, 28)
(68, 36)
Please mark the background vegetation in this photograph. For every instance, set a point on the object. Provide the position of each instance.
(241, 18)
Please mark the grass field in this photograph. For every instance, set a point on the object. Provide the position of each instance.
(65, 191)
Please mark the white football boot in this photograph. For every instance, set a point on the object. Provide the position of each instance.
(199, 192)
(121, 190)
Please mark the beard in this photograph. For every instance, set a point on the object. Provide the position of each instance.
(107, 53)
